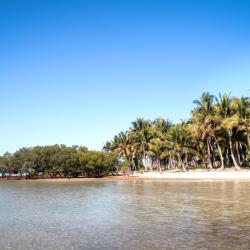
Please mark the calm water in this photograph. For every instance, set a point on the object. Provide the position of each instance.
(124, 215)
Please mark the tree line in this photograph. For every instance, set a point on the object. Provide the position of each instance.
(217, 135)
(58, 160)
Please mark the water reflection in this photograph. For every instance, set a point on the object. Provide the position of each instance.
(125, 215)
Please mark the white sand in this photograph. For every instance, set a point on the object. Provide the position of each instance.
(218, 175)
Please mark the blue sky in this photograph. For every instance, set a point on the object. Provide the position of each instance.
(78, 72)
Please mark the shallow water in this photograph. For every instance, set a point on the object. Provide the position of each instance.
(120, 214)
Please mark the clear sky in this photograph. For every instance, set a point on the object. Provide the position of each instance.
(78, 72)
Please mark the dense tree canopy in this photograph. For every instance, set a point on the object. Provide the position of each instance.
(217, 135)
(58, 160)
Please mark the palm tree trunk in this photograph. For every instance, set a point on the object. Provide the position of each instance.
(248, 136)
(242, 153)
(238, 152)
(183, 167)
(227, 155)
(221, 156)
(237, 167)
(145, 162)
(159, 165)
(209, 155)
(150, 160)
(181, 163)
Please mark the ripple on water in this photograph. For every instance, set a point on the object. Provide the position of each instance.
(125, 215)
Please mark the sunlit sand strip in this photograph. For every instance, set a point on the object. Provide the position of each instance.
(218, 175)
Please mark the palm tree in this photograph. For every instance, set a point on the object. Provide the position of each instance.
(218, 131)
(122, 145)
(156, 148)
(157, 145)
(203, 118)
(179, 143)
(228, 121)
(140, 134)
(161, 127)
(242, 106)
(107, 147)
(229, 124)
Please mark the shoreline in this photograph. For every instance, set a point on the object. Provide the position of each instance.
(192, 175)
(197, 175)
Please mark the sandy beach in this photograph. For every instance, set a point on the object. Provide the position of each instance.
(166, 175)
(199, 175)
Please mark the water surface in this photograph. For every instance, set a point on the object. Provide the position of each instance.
(120, 214)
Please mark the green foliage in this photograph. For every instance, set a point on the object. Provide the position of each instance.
(58, 160)
(216, 135)
(124, 167)
(97, 164)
